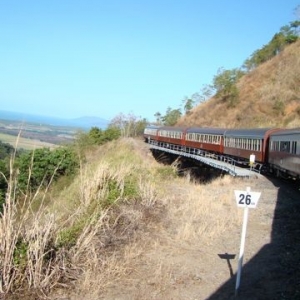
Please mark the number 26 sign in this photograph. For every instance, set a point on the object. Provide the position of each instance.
(246, 198)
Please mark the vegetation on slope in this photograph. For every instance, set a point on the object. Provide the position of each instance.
(58, 233)
(267, 96)
(262, 92)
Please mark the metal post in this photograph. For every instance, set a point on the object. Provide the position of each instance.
(243, 238)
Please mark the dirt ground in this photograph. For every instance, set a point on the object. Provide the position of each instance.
(165, 267)
(271, 269)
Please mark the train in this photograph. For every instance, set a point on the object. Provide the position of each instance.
(272, 150)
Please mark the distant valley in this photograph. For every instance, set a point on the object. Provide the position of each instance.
(40, 131)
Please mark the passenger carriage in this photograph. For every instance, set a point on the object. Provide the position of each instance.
(207, 139)
(241, 143)
(284, 153)
(171, 135)
(150, 133)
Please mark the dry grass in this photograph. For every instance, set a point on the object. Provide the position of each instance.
(194, 218)
(205, 211)
(80, 241)
(73, 236)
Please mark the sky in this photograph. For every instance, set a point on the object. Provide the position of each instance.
(103, 58)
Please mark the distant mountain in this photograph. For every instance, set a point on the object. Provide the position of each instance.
(88, 122)
(83, 122)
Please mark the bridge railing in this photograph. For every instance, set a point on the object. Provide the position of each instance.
(223, 162)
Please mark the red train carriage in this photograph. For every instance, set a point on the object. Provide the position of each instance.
(284, 153)
(241, 143)
(208, 139)
(171, 135)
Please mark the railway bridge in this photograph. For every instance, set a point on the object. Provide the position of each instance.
(224, 163)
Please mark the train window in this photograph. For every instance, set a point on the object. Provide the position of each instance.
(150, 131)
(285, 146)
(256, 145)
(226, 144)
(259, 145)
(273, 145)
(248, 144)
(251, 144)
(232, 142)
(294, 147)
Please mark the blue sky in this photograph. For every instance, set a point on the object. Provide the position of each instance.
(74, 58)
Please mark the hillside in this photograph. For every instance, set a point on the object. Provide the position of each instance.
(268, 96)
(182, 240)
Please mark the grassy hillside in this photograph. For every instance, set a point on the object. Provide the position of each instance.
(268, 96)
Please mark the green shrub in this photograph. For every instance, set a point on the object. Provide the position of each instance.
(67, 237)
(20, 254)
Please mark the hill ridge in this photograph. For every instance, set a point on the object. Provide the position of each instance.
(268, 97)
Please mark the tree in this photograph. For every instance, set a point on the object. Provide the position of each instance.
(225, 85)
(127, 124)
(288, 34)
(39, 167)
(96, 135)
(6, 150)
(188, 104)
(172, 116)
(158, 117)
(111, 133)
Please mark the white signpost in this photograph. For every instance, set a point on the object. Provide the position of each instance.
(245, 199)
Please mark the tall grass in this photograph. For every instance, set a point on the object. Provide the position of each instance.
(47, 244)
(96, 231)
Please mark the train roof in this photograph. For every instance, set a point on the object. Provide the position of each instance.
(172, 128)
(206, 130)
(153, 126)
(258, 133)
(282, 132)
